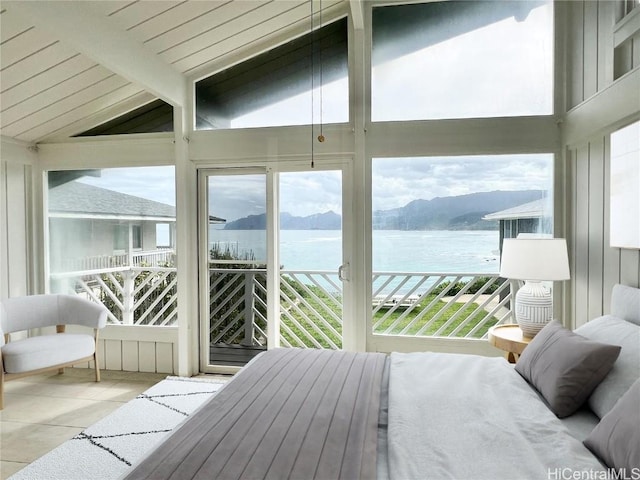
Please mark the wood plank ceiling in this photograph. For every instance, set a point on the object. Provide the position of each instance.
(49, 90)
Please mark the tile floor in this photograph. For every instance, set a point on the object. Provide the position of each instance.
(43, 411)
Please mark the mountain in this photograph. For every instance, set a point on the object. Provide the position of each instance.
(318, 221)
(462, 212)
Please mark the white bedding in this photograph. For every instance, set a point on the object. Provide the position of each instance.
(470, 417)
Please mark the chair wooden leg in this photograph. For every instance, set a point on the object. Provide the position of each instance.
(95, 362)
(1, 383)
(95, 356)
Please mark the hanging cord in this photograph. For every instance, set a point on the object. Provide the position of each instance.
(321, 136)
(312, 82)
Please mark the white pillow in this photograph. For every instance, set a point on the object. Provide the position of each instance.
(626, 369)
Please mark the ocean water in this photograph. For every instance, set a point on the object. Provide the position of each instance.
(436, 251)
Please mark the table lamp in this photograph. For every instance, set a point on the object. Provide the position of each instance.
(534, 260)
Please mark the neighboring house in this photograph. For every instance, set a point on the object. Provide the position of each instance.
(93, 227)
(526, 218)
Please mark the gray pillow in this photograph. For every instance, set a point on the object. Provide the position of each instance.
(616, 439)
(565, 367)
(626, 369)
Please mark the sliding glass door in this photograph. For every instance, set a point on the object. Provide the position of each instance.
(274, 261)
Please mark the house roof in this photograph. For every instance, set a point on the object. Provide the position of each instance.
(68, 66)
(533, 209)
(80, 200)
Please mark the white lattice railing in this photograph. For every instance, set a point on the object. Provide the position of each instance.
(133, 295)
(310, 309)
(237, 306)
(461, 305)
(151, 258)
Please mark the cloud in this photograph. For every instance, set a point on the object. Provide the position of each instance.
(152, 183)
(306, 193)
(397, 181)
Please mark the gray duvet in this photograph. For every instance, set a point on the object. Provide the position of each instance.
(291, 414)
(309, 414)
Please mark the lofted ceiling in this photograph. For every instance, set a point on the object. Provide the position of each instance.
(68, 66)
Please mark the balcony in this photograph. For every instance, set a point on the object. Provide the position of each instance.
(443, 305)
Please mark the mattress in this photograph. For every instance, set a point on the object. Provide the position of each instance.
(332, 414)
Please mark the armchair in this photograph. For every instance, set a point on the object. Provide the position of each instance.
(40, 353)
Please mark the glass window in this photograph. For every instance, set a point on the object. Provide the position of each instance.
(438, 225)
(461, 59)
(275, 88)
(121, 237)
(94, 217)
(624, 205)
(163, 235)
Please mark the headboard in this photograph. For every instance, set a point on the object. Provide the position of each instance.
(625, 303)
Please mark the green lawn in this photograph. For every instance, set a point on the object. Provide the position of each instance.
(313, 308)
(451, 310)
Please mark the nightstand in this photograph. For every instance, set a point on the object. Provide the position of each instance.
(510, 339)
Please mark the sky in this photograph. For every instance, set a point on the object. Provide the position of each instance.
(437, 85)
(503, 68)
(395, 182)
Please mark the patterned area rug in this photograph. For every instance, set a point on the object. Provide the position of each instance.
(108, 448)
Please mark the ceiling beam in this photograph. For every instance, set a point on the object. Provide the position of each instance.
(77, 25)
(357, 14)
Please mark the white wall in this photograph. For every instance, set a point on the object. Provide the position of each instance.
(16, 220)
(137, 349)
(598, 105)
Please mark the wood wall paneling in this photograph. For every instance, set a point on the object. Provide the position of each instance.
(164, 357)
(581, 236)
(602, 95)
(606, 20)
(575, 84)
(18, 227)
(130, 359)
(134, 356)
(113, 355)
(611, 256)
(4, 233)
(630, 267)
(147, 356)
(596, 227)
(590, 48)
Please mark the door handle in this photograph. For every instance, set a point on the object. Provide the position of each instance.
(343, 272)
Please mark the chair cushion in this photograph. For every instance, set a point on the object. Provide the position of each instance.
(46, 351)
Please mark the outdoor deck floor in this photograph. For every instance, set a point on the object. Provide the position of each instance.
(233, 355)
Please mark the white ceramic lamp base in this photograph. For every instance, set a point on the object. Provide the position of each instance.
(534, 308)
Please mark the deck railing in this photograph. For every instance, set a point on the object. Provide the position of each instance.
(133, 295)
(460, 305)
(152, 258)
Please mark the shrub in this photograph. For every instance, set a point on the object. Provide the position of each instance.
(475, 286)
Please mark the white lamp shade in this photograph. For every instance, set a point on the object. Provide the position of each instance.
(536, 259)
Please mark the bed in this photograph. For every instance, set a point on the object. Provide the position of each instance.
(571, 406)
